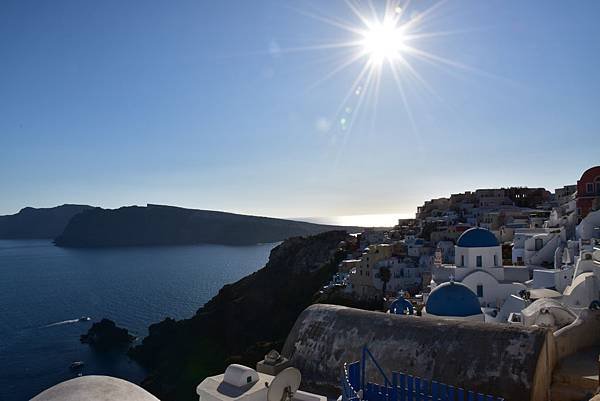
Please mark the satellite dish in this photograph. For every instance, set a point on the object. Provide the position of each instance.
(284, 385)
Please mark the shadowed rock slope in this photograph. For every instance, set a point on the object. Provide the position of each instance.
(167, 225)
(32, 223)
(243, 322)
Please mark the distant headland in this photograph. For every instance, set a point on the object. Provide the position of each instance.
(151, 225)
(38, 223)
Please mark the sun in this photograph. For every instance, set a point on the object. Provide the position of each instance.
(383, 41)
(386, 41)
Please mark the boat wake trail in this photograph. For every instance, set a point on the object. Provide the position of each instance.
(61, 323)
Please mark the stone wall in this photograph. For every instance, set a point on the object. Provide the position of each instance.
(502, 360)
(582, 333)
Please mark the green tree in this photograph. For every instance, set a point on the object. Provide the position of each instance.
(384, 275)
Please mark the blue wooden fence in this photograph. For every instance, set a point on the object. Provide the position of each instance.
(401, 387)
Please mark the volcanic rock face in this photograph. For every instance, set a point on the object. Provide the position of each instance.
(243, 322)
(105, 334)
(31, 223)
(167, 225)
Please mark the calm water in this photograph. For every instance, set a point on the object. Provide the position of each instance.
(44, 289)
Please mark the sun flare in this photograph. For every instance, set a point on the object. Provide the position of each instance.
(383, 41)
(386, 40)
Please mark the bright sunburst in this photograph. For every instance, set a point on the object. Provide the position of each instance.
(383, 41)
(381, 38)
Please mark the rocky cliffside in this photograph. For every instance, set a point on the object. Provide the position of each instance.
(244, 321)
(167, 225)
(105, 335)
(32, 223)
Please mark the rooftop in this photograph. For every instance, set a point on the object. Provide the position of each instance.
(452, 299)
(477, 237)
(96, 388)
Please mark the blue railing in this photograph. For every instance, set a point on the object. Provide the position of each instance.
(401, 387)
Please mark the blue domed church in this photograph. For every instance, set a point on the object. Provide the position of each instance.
(453, 300)
(478, 267)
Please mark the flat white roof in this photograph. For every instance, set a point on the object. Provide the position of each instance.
(215, 389)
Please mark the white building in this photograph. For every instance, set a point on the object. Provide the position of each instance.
(447, 251)
(478, 265)
(405, 274)
(241, 383)
(415, 247)
(536, 246)
(576, 273)
(238, 383)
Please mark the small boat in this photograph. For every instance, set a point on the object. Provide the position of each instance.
(85, 319)
(77, 365)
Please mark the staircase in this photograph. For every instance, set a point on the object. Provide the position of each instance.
(576, 377)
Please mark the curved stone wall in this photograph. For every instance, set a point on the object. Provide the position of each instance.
(502, 360)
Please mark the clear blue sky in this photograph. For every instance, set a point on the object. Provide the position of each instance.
(200, 104)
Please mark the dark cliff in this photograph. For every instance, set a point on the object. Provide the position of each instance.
(243, 322)
(105, 335)
(32, 223)
(167, 225)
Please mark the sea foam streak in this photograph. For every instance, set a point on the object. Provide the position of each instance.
(63, 322)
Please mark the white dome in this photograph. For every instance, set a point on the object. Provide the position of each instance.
(95, 388)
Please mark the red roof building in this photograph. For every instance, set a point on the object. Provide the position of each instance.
(588, 191)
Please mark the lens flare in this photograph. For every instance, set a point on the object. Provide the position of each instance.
(383, 41)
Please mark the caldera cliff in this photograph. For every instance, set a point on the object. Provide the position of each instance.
(38, 223)
(168, 225)
(242, 322)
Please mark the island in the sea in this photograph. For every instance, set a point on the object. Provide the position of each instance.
(38, 223)
(105, 334)
(167, 225)
(151, 225)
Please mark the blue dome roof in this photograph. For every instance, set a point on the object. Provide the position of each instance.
(400, 306)
(452, 299)
(477, 237)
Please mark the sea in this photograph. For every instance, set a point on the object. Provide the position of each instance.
(44, 290)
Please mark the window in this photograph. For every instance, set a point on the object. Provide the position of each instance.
(479, 261)
(590, 187)
(462, 260)
(539, 244)
(495, 260)
(479, 291)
